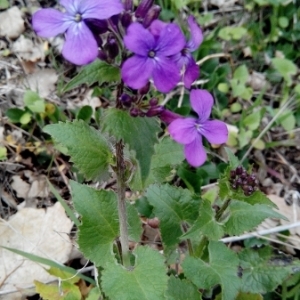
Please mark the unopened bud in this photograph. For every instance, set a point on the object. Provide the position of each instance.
(111, 47)
(134, 112)
(155, 111)
(145, 89)
(126, 19)
(153, 101)
(152, 14)
(143, 8)
(126, 100)
(128, 5)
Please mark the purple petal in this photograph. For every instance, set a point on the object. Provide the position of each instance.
(191, 73)
(196, 37)
(156, 27)
(71, 6)
(215, 131)
(136, 71)
(183, 131)
(201, 102)
(165, 74)
(100, 9)
(170, 41)
(138, 39)
(195, 153)
(49, 22)
(168, 116)
(80, 47)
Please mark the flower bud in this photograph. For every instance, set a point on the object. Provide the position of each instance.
(143, 8)
(239, 170)
(134, 112)
(232, 174)
(126, 19)
(97, 26)
(102, 55)
(126, 100)
(152, 14)
(145, 89)
(111, 47)
(155, 111)
(168, 116)
(128, 5)
(153, 101)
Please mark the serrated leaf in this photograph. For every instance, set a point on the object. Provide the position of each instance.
(206, 224)
(233, 160)
(244, 216)
(139, 133)
(248, 296)
(88, 149)
(220, 270)
(172, 206)
(98, 71)
(259, 276)
(94, 294)
(64, 291)
(100, 222)
(182, 290)
(167, 154)
(146, 281)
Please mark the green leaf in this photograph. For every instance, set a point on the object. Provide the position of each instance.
(98, 71)
(50, 263)
(206, 224)
(285, 67)
(64, 291)
(15, 114)
(259, 275)
(233, 160)
(244, 216)
(88, 149)
(248, 296)
(146, 281)
(4, 4)
(3, 153)
(139, 133)
(287, 120)
(85, 113)
(34, 102)
(182, 290)
(172, 206)
(100, 222)
(167, 155)
(228, 33)
(241, 74)
(220, 270)
(252, 121)
(94, 294)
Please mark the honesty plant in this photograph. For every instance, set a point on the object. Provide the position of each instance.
(140, 57)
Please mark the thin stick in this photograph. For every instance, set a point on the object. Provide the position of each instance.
(260, 232)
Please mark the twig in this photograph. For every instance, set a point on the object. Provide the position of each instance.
(260, 232)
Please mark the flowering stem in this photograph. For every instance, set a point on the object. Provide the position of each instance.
(122, 203)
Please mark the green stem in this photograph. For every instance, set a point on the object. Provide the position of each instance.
(189, 243)
(222, 209)
(121, 187)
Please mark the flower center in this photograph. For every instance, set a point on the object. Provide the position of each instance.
(198, 126)
(151, 54)
(185, 51)
(78, 18)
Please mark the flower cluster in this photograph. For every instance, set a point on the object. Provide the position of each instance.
(147, 50)
(240, 178)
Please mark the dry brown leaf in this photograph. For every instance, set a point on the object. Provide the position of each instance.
(42, 81)
(37, 231)
(12, 23)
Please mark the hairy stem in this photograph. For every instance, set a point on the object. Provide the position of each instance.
(222, 209)
(121, 186)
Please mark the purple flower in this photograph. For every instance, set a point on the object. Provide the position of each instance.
(151, 59)
(80, 46)
(184, 59)
(189, 131)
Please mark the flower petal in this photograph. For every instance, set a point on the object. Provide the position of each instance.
(80, 47)
(196, 37)
(165, 75)
(215, 131)
(191, 73)
(100, 9)
(201, 102)
(156, 27)
(49, 22)
(138, 39)
(183, 131)
(71, 6)
(195, 153)
(136, 71)
(170, 41)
